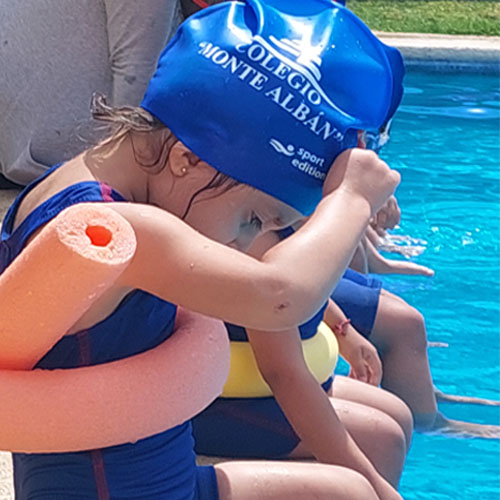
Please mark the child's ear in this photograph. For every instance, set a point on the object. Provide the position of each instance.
(181, 159)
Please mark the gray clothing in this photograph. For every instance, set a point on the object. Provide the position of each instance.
(54, 54)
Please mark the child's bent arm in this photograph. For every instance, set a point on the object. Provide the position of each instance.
(286, 287)
(308, 407)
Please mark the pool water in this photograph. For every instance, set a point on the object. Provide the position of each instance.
(445, 142)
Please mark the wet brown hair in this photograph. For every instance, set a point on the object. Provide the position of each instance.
(126, 121)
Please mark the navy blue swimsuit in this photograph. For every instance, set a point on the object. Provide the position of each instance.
(156, 468)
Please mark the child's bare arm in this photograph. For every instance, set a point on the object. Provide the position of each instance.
(291, 281)
(378, 264)
(359, 262)
(308, 407)
(354, 348)
(372, 235)
(176, 263)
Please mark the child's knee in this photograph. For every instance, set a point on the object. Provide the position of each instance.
(354, 486)
(391, 437)
(403, 416)
(412, 329)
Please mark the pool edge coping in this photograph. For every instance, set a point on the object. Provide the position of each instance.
(470, 53)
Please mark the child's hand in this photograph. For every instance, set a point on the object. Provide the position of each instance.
(362, 357)
(388, 217)
(362, 173)
(402, 267)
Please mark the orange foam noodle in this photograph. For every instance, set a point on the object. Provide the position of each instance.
(43, 292)
(57, 277)
(45, 411)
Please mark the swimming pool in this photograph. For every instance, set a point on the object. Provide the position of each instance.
(445, 143)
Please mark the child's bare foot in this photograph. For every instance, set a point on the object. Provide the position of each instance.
(438, 344)
(452, 398)
(457, 428)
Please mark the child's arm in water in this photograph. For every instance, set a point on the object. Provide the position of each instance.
(176, 263)
(368, 259)
(378, 264)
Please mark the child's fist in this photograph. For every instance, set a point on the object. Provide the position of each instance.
(362, 173)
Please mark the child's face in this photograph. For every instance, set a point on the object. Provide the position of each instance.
(236, 217)
(233, 216)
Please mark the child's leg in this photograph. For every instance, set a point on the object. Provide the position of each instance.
(288, 480)
(400, 336)
(379, 436)
(374, 397)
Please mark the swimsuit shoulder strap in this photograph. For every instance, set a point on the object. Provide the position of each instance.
(13, 241)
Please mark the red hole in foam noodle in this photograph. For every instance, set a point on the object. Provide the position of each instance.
(99, 235)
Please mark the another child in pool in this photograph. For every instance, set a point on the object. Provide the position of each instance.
(240, 102)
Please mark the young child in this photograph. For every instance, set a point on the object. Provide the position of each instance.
(300, 420)
(395, 328)
(235, 136)
(398, 330)
(399, 333)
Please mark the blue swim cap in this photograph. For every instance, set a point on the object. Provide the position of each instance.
(270, 92)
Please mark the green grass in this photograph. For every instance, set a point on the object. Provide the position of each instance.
(459, 17)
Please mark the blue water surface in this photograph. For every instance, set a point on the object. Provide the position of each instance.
(445, 143)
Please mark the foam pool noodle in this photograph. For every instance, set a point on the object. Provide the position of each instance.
(50, 411)
(68, 266)
(57, 277)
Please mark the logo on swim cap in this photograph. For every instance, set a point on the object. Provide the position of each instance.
(292, 86)
(302, 159)
(278, 147)
(270, 92)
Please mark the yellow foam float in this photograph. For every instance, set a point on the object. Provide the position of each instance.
(245, 380)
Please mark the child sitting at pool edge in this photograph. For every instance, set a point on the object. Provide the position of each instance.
(211, 157)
